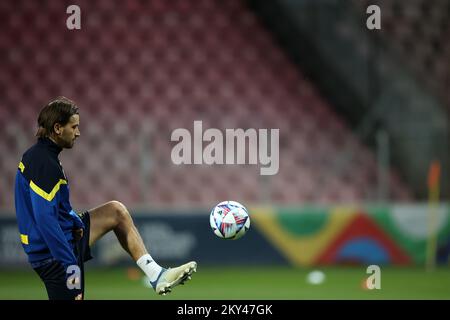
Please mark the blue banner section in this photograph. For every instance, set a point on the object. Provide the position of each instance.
(171, 238)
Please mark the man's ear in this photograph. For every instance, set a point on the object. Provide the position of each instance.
(57, 128)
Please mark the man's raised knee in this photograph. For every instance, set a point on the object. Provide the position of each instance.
(120, 210)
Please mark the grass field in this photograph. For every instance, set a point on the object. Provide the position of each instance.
(246, 283)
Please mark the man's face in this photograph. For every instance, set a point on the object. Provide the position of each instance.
(69, 132)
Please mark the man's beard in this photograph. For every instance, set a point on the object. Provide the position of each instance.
(69, 144)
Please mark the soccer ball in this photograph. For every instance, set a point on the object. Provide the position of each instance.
(229, 220)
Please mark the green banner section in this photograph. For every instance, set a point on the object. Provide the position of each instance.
(410, 227)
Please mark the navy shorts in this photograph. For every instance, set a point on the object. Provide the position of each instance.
(53, 274)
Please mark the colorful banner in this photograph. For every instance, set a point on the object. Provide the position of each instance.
(303, 236)
(355, 235)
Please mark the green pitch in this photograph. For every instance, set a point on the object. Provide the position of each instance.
(246, 283)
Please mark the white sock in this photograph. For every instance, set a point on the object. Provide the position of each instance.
(149, 266)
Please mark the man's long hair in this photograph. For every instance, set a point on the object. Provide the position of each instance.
(56, 111)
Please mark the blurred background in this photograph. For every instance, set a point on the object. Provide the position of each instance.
(364, 139)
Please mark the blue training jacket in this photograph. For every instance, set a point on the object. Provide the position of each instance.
(44, 215)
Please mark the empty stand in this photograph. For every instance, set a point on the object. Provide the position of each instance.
(139, 70)
(417, 32)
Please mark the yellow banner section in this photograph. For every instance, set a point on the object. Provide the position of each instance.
(302, 250)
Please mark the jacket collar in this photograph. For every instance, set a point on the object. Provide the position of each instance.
(50, 145)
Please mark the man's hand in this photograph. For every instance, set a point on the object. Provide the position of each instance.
(78, 234)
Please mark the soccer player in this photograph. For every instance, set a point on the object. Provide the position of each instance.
(56, 239)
